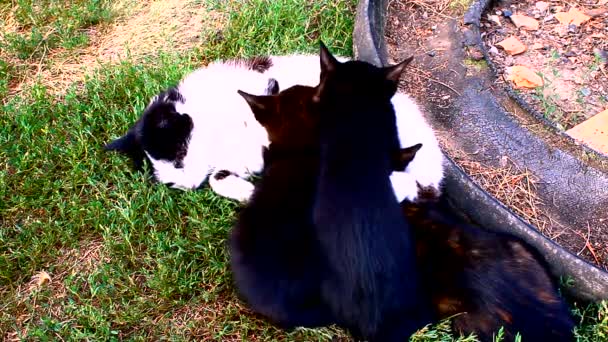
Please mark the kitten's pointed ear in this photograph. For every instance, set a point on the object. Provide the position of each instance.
(393, 73)
(328, 61)
(404, 157)
(260, 105)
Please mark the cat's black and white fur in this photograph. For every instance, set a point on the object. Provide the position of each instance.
(202, 129)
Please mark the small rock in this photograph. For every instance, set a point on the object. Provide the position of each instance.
(431, 53)
(570, 54)
(585, 91)
(434, 27)
(445, 97)
(548, 18)
(542, 6)
(499, 12)
(524, 22)
(495, 19)
(512, 46)
(425, 15)
(493, 50)
(601, 54)
(536, 16)
(571, 28)
(507, 13)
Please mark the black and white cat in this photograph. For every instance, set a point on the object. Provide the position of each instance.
(202, 129)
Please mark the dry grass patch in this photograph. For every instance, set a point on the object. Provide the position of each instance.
(140, 29)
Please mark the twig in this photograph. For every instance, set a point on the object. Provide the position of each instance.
(587, 243)
(434, 80)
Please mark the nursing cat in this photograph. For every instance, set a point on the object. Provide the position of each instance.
(202, 129)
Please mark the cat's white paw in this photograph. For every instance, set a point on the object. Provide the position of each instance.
(404, 186)
(231, 186)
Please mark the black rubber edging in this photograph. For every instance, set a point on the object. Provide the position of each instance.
(588, 282)
(472, 18)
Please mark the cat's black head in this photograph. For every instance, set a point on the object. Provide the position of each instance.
(357, 77)
(354, 102)
(161, 131)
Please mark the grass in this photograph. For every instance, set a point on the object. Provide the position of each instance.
(42, 25)
(127, 260)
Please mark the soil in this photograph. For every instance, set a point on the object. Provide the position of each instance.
(435, 79)
(571, 59)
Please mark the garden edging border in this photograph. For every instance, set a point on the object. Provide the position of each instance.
(472, 18)
(588, 281)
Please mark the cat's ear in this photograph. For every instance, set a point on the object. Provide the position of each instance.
(273, 87)
(328, 61)
(261, 106)
(129, 145)
(404, 157)
(393, 73)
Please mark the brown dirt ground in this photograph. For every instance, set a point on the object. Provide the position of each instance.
(572, 59)
(410, 24)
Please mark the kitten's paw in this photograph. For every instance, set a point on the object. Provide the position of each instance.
(227, 184)
(404, 186)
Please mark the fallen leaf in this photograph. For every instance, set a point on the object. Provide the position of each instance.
(542, 6)
(512, 46)
(524, 21)
(524, 77)
(41, 278)
(598, 35)
(573, 16)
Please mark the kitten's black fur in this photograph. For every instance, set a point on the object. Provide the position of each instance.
(276, 259)
(374, 288)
